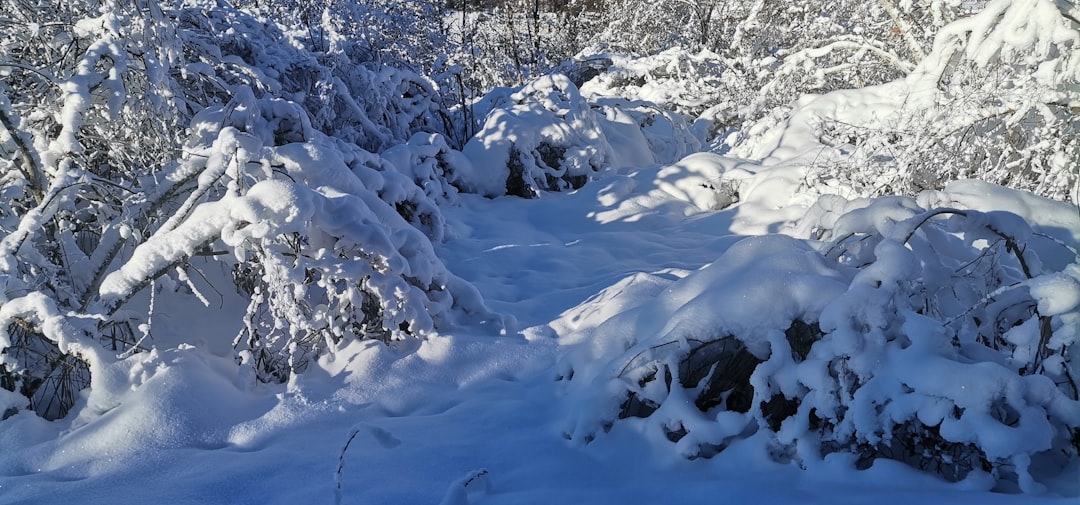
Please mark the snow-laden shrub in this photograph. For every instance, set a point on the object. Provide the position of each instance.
(932, 336)
(675, 79)
(346, 93)
(109, 196)
(994, 100)
(320, 255)
(88, 111)
(701, 86)
(70, 70)
(650, 27)
(510, 43)
(396, 34)
(773, 52)
(800, 47)
(430, 162)
(549, 138)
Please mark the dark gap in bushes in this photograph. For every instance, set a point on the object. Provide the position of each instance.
(516, 185)
(728, 365)
(49, 379)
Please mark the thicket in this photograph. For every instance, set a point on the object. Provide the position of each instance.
(148, 144)
(979, 89)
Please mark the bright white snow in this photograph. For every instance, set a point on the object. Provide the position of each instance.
(429, 416)
(593, 290)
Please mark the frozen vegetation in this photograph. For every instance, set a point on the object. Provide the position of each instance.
(597, 251)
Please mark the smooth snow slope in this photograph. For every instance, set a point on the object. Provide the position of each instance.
(425, 418)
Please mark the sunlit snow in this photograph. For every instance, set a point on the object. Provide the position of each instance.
(625, 290)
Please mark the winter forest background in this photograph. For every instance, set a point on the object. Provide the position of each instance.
(831, 238)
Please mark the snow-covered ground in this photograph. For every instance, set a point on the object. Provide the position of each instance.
(657, 320)
(461, 417)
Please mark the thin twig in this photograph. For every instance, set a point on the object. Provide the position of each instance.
(930, 214)
(341, 465)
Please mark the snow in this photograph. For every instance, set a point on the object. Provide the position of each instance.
(431, 416)
(560, 347)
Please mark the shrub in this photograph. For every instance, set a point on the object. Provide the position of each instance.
(931, 337)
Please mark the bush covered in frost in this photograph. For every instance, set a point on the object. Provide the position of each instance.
(994, 99)
(549, 138)
(936, 336)
(146, 142)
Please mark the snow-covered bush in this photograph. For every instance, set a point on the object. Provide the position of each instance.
(993, 100)
(806, 46)
(88, 114)
(409, 35)
(676, 79)
(510, 42)
(345, 92)
(322, 257)
(429, 161)
(649, 27)
(701, 86)
(141, 141)
(776, 51)
(934, 336)
(550, 138)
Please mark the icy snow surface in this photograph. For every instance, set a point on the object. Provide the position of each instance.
(463, 418)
